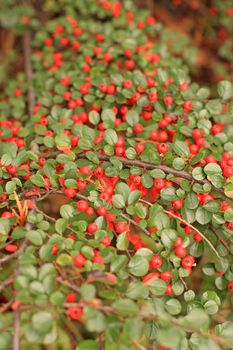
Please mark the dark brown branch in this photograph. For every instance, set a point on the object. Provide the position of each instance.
(149, 166)
(165, 168)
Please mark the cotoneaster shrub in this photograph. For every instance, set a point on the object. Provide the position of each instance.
(108, 119)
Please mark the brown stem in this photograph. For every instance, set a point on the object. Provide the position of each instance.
(8, 281)
(16, 335)
(187, 224)
(135, 224)
(149, 166)
(15, 254)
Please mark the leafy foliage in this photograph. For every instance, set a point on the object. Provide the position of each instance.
(143, 161)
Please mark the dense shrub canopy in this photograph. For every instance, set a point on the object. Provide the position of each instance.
(106, 117)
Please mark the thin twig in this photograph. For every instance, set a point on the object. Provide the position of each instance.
(221, 239)
(5, 306)
(149, 166)
(187, 224)
(16, 335)
(131, 221)
(15, 254)
(68, 284)
(8, 281)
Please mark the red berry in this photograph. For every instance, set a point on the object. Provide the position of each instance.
(177, 204)
(230, 287)
(217, 129)
(197, 133)
(187, 106)
(180, 251)
(11, 248)
(70, 192)
(166, 276)
(74, 141)
(228, 171)
(156, 262)
(154, 135)
(168, 100)
(7, 215)
(188, 261)
(169, 290)
(162, 148)
(79, 260)
(90, 211)
(102, 211)
(55, 249)
(92, 228)
(139, 148)
(11, 169)
(138, 128)
(71, 297)
(75, 312)
(163, 136)
(82, 205)
(106, 241)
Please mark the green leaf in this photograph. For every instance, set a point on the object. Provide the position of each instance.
(203, 216)
(62, 140)
(136, 290)
(10, 186)
(96, 323)
(173, 306)
(18, 233)
(67, 211)
(94, 117)
(198, 173)
(34, 237)
(173, 338)
(228, 215)
(157, 287)
(110, 136)
(42, 321)
(92, 157)
(181, 149)
(147, 180)
(134, 197)
(168, 194)
(196, 319)
(84, 144)
(131, 153)
(88, 345)
(122, 189)
(212, 169)
(122, 241)
(211, 307)
(214, 106)
(150, 154)
(157, 174)
(168, 237)
(125, 307)
(88, 291)
(61, 225)
(191, 200)
(4, 226)
(37, 180)
(225, 89)
(132, 117)
(118, 201)
(138, 266)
